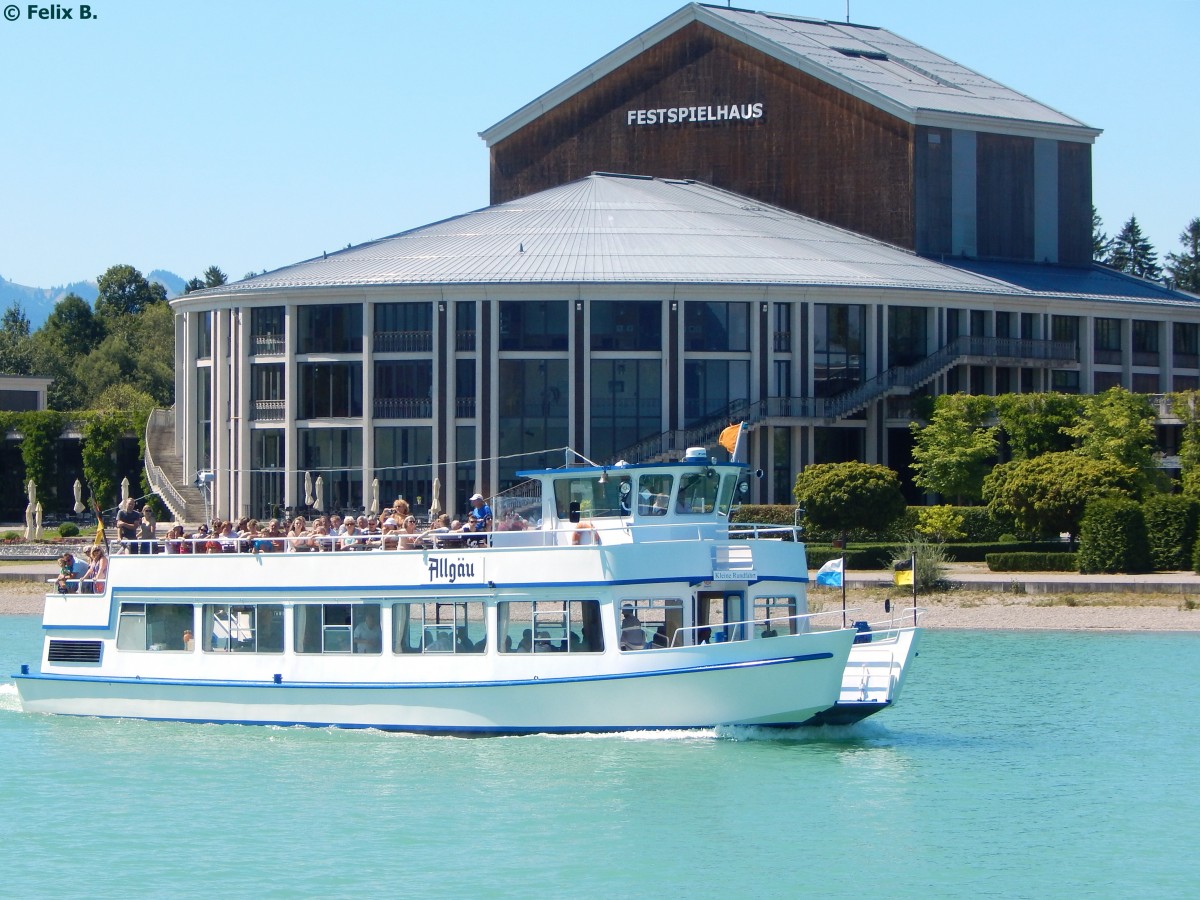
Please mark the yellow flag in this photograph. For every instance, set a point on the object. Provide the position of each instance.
(729, 436)
(903, 577)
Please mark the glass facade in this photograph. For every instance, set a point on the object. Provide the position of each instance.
(712, 386)
(267, 330)
(908, 335)
(403, 328)
(404, 465)
(336, 328)
(631, 325)
(404, 389)
(267, 473)
(336, 455)
(716, 326)
(534, 407)
(330, 391)
(534, 325)
(839, 348)
(626, 403)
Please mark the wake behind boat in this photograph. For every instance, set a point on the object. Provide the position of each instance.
(628, 602)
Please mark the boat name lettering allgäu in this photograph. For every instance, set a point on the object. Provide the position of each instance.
(450, 571)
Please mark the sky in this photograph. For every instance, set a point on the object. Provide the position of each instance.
(179, 135)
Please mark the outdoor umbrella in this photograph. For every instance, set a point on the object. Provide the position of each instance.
(308, 488)
(124, 490)
(319, 494)
(435, 504)
(37, 518)
(79, 507)
(374, 496)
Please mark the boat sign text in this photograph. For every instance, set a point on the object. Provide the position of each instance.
(453, 569)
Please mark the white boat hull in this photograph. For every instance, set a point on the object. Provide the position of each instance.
(687, 688)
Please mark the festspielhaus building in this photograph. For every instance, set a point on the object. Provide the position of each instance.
(734, 216)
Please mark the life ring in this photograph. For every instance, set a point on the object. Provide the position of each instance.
(582, 528)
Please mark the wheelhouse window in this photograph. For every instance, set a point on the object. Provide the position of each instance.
(698, 493)
(654, 494)
(651, 624)
(550, 626)
(156, 626)
(591, 498)
(457, 626)
(338, 628)
(242, 628)
(775, 616)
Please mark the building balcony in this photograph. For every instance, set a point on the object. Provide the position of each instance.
(403, 408)
(403, 341)
(267, 344)
(268, 410)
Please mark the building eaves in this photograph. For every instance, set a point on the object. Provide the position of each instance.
(875, 65)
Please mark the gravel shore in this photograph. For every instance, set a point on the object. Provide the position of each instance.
(981, 610)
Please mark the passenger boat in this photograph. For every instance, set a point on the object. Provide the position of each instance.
(604, 599)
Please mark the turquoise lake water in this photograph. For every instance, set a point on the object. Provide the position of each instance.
(1018, 765)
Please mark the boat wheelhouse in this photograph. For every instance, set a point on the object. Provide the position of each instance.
(604, 598)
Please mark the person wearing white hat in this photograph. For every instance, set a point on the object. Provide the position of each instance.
(480, 516)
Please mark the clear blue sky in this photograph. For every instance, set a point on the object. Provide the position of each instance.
(251, 135)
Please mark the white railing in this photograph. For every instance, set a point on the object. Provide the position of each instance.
(733, 632)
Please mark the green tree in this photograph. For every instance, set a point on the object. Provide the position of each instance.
(1186, 406)
(1101, 243)
(1133, 253)
(1033, 423)
(125, 292)
(67, 336)
(1048, 494)
(1185, 267)
(16, 347)
(952, 452)
(213, 277)
(842, 496)
(1119, 426)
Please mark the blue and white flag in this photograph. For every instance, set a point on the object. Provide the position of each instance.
(831, 573)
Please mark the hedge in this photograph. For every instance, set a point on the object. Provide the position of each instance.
(1171, 528)
(877, 557)
(1112, 537)
(1033, 562)
(978, 552)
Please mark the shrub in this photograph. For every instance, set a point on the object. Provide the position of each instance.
(68, 529)
(931, 561)
(1112, 537)
(979, 524)
(844, 496)
(978, 552)
(859, 558)
(1033, 562)
(942, 523)
(1171, 526)
(10, 536)
(765, 514)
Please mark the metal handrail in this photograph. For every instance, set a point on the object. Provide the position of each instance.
(798, 624)
(159, 482)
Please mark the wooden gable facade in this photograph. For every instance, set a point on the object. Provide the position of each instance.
(702, 105)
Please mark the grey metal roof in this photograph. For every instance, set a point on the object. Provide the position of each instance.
(1095, 282)
(874, 64)
(623, 229)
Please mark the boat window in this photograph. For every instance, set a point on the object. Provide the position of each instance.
(698, 493)
(774, 616)
(729, 484)
(596, 499)
(654, 494)
(242, 628)
(549, 626)
(338, 628)
(651, 624)
(155, 626)
(456, 626)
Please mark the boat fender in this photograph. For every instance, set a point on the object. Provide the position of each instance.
(582, 528)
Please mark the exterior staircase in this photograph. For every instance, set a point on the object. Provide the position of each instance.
(963, 350)
(164, 470)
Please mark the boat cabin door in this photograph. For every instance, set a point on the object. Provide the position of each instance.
(713, 609)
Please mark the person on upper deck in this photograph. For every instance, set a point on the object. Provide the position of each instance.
(480, 516)
(129, 521)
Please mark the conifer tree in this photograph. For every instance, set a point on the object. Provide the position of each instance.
(1101, 243)
(1185, 267)
(1133, 253)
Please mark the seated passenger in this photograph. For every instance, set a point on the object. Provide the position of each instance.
(526, 643)
(368, 636)
(633, 636)
(660, 637)
(189, 642)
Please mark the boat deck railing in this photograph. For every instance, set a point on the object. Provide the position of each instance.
(744, 630)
